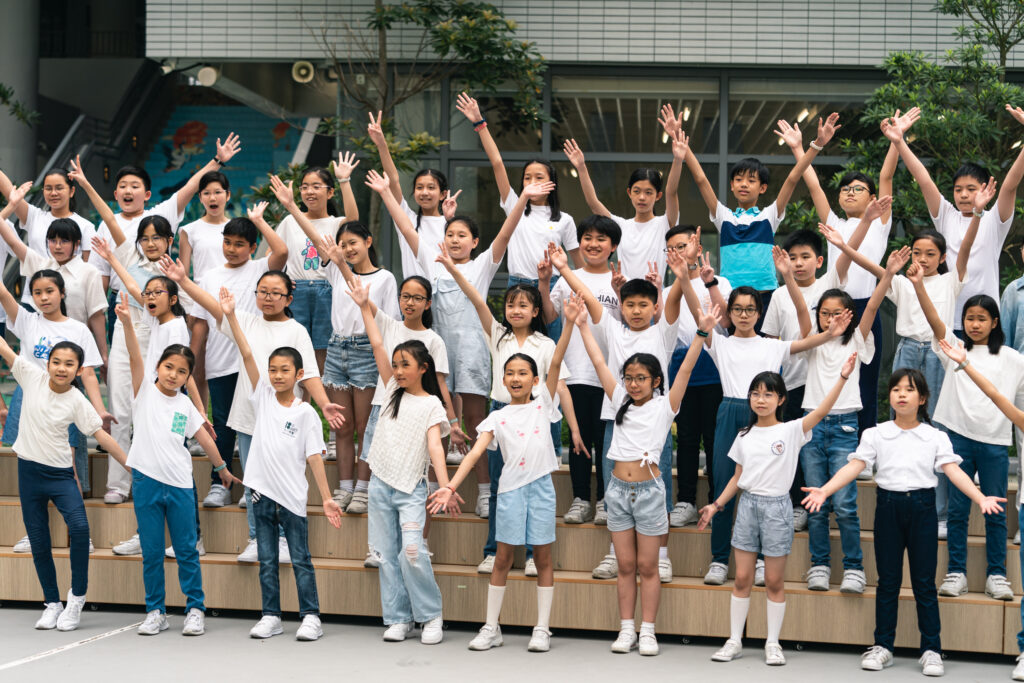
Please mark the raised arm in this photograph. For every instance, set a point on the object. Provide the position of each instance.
(981, 199)
(343, 169)
(811, 419)
(575, 156)
(916, 276)
(224, 152)
(276, 246)
(555, 368)
(135, 357)
(894, 264)
(561, 263)
(103, 250)
(77, 174)
(682, 142)
(227, 306)
(833, 237)
(675, 171)
(176, 271)
(679, 267)
(1008, 193)
(548, 312)
(803, 316)
(826, 129)
(380, 184)
(958, 354)
(707, 275)
(361, 295)
(9, 303)
(836, 328)
(475, 298)
(608, 382)
(794, 139)
(501, 240)
(7, 231)
(471, 110)
(894, 129)
(705, 324)
(876, 209)
(387, 163)
(885, 176)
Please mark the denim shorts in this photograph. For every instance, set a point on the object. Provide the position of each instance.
(636, 504)
(311, 307)
(764, 524)
(371, 427)
(350, 363)
(527, 514)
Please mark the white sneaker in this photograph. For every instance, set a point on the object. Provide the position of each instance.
(683, 514)
(717, 574)
(486, 566)
(579, 512)
(931, 664)
(243, 502)
(50, 615)
(759, 573)
(664, 571)
(23, 546)
(818, 577)
(310, 629)
(359, 504)
(733, 649)
(1018, 671)
(601, 514)
(195, 623)
(876, 658)
(998, 588)
(342, 497)
(250, 553)
(954, 584)
(130, 547)
(1016, 538)
(92, 548)
(194, 449)
(72, 614)
(155, 622)
(432, 632)
(200, 548)
(371, 561)
(626, 641)
(483, 507)
(283, 556)
(454, 456)
(218, 497)
(773, 655)
(799, 524)
(331, 449)
(531, 568)
(607, 568)
(112, 497)
(648, 644)
(853, 581)
(942, 530)
(396, 633)
(540, 641)
(488, 637)
(267, 627)
(866, 474)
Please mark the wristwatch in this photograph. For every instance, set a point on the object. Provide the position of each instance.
(977, 212)
(713, 283)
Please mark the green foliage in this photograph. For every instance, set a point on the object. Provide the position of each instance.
(16, 108)
(274, 212)
(405, 152)
(998, 24)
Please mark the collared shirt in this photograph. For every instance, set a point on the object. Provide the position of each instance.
(83, 284)
(905, 459)
(502, 346)
(1010, 314)
(745, 245)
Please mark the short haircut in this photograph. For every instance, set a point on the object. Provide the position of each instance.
(803, 238)
(288, 352)
(602, 225)
(750, 165)
(139, 173)
(214, 177)
(857, 175)
(969, 169)
(242, 227)
(680, 229)
(638, 287)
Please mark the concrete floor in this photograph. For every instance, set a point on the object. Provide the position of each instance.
(353, 649)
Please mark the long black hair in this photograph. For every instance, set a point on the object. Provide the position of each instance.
(532, 294)
(58, 280)
(442, 184)
(172, 290)
(771, 381)
(161, 226)
(653, 366)
(428, 315)
(65, 229)
(552, 198)
(917, 381)
(67, 179)
(649, 174)
(422, 357)
(179, 350)
(363, 233)
(940, 243)
(846, 301)
(327, 179)
(996, 338)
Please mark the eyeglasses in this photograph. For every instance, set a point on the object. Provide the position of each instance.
(638, 379)
(738, 310)
(316, 187)
(270, 296)
(828, 315)
(153, 293)
(155, 238)
(674, 250)
(852, 189)
(417, 298)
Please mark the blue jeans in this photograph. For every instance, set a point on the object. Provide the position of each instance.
(733, 415)
(38, 484)
(495, 463)
(157, 503)
(270, 516)
(244, 444)
(76, 439)
(664, 462)
(834, 438)
(992, 464)
(408, 590)
(1020, 636)
(311, 308)
(222, 391)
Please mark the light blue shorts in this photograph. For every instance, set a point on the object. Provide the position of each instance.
(350, 363)
(311, 307)
(527, 514)
(636, 504)
(371, 427)
(764, 524)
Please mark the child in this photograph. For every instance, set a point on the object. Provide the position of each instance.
(525, 507)
(288, 436)
(637, 516)
(46, 469)
(1011, 308)
(161, 466)
(765, 452)
(644, 234)
(835, 436)
(412, 424)
(59, 194)
(906, 453)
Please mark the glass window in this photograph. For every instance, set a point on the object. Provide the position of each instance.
(421, 112)
(506, 127)
(479, 199)
(621, 114)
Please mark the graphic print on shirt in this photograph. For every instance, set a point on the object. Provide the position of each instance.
(312, 256)
(42, 348)
(290, 429)
(178, 423)
(779, 447)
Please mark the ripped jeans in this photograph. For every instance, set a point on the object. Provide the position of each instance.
(408, 591)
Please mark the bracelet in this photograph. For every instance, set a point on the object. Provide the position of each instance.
(717, 506)
(977, 213)
(844, 376)
(711, 283)
(477, 127)
(219, 467)
(962, 365)
(344, 180)
(217, 161)
(453, 421)
(451, 488)
(816, 146)
(480, 122)
(702, 333)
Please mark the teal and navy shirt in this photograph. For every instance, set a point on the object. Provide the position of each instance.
(746, 238)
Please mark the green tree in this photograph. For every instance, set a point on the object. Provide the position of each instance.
(16, 108)
(996, 24)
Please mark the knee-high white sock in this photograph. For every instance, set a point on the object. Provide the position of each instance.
(776, 613)
(495, 595)
(738, 608)
(545, 594)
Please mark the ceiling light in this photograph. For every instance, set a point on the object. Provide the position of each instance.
(686, 113)
(803, 115)
(664, 138)
(573, 173)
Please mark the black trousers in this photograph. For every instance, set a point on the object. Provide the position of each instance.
(586, 401)
(695, 423)
(792, 410)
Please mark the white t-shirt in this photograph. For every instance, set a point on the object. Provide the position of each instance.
(942, 289)
(45, 416)
(264, 336)
(83, 284)
(658, 340)
(207, 242)
(687, 325)
(740, 359)
(983, 265)
(502, 346)
(174, 331)
(963, 407)
(284, 438)
(824, 364)
(38, 221)
(530, 240)
(398, 454)
(576, 358)
(905, 459)
(780, 321)
(304, 259)
(523, 433)
(431, 230)
(346, 318)
(769, 456)
(162, 423)
(641, 244)
(641, 436)
(221, 352)
(130, 227)
(859, 282)
(38, 337)
(394, 332)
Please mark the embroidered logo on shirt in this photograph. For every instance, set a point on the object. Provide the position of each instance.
(290, 429)
(778, 448)
(178, 423)
(312, 257)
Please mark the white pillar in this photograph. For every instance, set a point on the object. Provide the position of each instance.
(19, 53)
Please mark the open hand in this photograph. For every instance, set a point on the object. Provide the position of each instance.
(706, 514)
(227, 301)
(101, 248)
(991, 505)
(878, 207)
(284, 193)
(332, 511)
(897, 260)
(827, 129)
(538, 190)
(469, 107)
(255, 211)
(680, 145)
(18, 193)
(359, 293)
(668, 119)
(791, 135)
(985, 194)
(378, 182)
(814, 499)
(333, 414)
(781, 258)
(831, 235)
(573, 153)
(173, 269)
(345, 165)
(957, 354)
(837, 326)
(231, 146)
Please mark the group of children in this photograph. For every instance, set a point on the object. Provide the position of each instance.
(777, 385)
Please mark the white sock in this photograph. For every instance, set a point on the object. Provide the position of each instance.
(362, 485)
(611, 549)
(738, 608)
(495, 594)
(628, 625)
(545, 594)
(776, 613)
(663, 552)
(483, 490)
(347, 485)
(647, 627)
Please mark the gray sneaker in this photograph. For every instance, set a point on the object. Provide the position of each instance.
(853, 581)
(955, 584)
(580, 511)
(607, 568)
(218, 497)
(998, 588)
(818, 577)
(717, 574)
(359, 504)
(601, 515)
(799, 519)
(342, 498)
(683, 514)
(759, 573)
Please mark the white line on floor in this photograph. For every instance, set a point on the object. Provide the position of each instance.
(69, 646)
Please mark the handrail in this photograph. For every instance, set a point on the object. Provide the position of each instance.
(65, 142)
